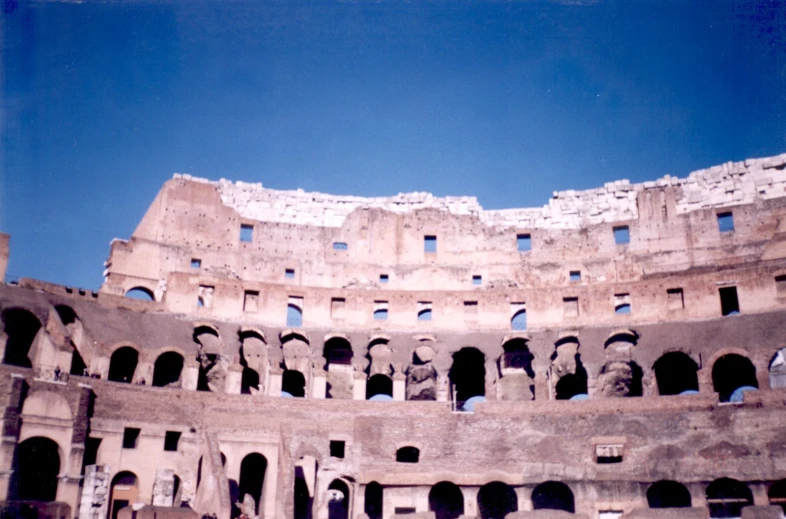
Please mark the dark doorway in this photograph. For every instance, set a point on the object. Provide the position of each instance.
(668, 494)
(293, 383)
(252, 477)
(167, 369)
(553, 495)
(496, 500)
(122, 364)
(731, 372)
(373, 506)
(446, 500)
(675, 373)
(36, 466)
(468, 374)
(726, 498)
(338, 506)
(379, 385)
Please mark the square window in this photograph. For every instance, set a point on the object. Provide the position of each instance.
(622, 303)
(289, 274)
(250, 299)
(675, 299)
(130, 437)
(246, 233)
(340, 245)
(575, 275)
(477, 280)
(337, 449)
(730, 305)
(380, 310)
(429, 244)
(524, 242)
(337, 307)
(171, 440)
(383, 278)
(622, 235)
(570, 306)
(726, 222)
(196, 263)
(471, 307)
(424, 310)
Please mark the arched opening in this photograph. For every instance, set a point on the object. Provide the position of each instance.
(338, 500)
(517, 356)
(340, 375)
(732, 372)
(252, 478)
(66, 314)
(519, 321)
(373, 504)
(446, 500)
(468, 374)
(293, 384)
(676, 373)
(408, 455)
(294, 316)
(167, 370)
(303, 499)
(338, 351)
(726, 498)
(122, 364)
(36, 466)
(668, 494)
(572, 386)
(777, 494)
(496, 500)
(378, 387)
(424, 315)
(553, 495)
(21, 327)
(249, 381)
(140, 293)
(125, 488)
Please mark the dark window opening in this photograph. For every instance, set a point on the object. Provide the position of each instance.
(468, 374)
(294, 316)
(381, 314)
(477, 280)
(622, 235)
(519, 321)
(338, 507)
(379, 385)
(122, 364)
(404, 510)
(623, 308)
(249, 380)
(726, 222)
(496, 500)
(446, 500)
(424, 315)
(36, 466)
(668, 494)
(676, 373)
(303, 500)
(78, 366)
(340, 245)
(91, 452)
(384, 278)
(730, 305)
(553, 495)
(731, 375)
(524, 242)
(167, 370)
(66, 314)
(293, 383)
(246, 233)
(727, 497)
(196, 263)
(777, 494)
(130, 437)
(373, 504)
(337, 449)
(289, 273)
(408, 455)
(252, 478)
(338, 351)
(21, 327)
(608, 460)
(171, 441)
(517, 355)
(429, 244)
(572, 385)
(575, 275)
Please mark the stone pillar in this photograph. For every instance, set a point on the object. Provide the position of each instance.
(274, 379)
(143, 371)
(541, 388)
(10, 432)
(524, 497)
(760, 497)
(360, 502)
(470, 501)
(100, 367)
(95, 492)
(189, 377)
(164, 487)
(399, 387)
(319, 384)
(359, 387)
(68, 489)
(443, 387)
(234, 380)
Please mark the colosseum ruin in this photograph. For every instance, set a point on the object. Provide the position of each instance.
(617, 353)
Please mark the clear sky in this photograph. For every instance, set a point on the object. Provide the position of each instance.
(504, 100)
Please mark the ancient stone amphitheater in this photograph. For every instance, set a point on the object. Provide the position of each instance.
(615, 353)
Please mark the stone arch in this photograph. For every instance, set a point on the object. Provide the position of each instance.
(731, 374)
(567, 375)
(339, 499)
(553, 495)
(37, 464)
(253, 358)
(726, 497)
(468, 374)
(496, 500)
(122, 363)
(168, 369)
(379, 386)
(668, 494)
(517, 378)
(252, 478)
(621, 338)
(140, 293)
(675, 373)
(22, 327)
(124, 490)
(340, 373)
(446, 500)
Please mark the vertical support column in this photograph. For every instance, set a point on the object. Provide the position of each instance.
(760, 497)
(359, 387)
(470, 501)
(274, 379)
(95, 492)
(189, 377)
(443, 387)
(524, 497)
(399, 387)
(10, 433)
(234, 381)
(542, 389)
(319, 384)
(360, 502)
(143, 371)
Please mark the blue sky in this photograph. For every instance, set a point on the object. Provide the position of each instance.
(504, 100)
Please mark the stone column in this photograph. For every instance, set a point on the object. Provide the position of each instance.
(274, 381)
(143, 371)
(359, 387)
(443, 387)
(164, 487)
(470, 501)
(189, 377)
(100, 367)
(319, 384)
(524, 497)
(399, 387)
(234, 381)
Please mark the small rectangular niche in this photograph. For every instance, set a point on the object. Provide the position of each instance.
(384, 278)
(675, 300)
(606, 454)
(725, 222)
(730, 304)
(289, 274)
(337, 307)
(424, 310)
(471, 308)
(246, 233)
(524, 242)
(621, 235)
(477, 280)
(337, 448)
(196, 263)
(130, 437)
(250, 299)
(171, 441)
(574, 275)
(429, 243)
(780, 284)
(404, 510)
(622, 304)
(570, 307)
(340, 245)
(380, 310)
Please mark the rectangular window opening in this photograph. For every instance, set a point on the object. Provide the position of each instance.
(289, 274)
(675, 299)
(171, 441)
(570, 306)
(337, 307)
(518, 320)
(205, 296)
(429, 243)
(606, 454)
(384, 278)
(130, 437)
(246, 233)
(477, 280)
(622, 304)
(575, 275)
(424, 311)
(726, 222)
(404, 510)
(380, 310)
(609, 514)
(524, 242)
(621, 235)
(337, 449)
(471, 307)
(730, 304)
(340, 245)
(295, 312)
(250, 299)
(196, 263)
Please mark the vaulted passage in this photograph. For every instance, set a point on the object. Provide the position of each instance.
(676, 373)
(36, 466)
(553, 495)
(21, 327)
(252, 477)
(168, 369)
(668, 494)
(496, 500)
(122, 364)
(468, 374)
(731, 373)
(726, 498)
(446, 500)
